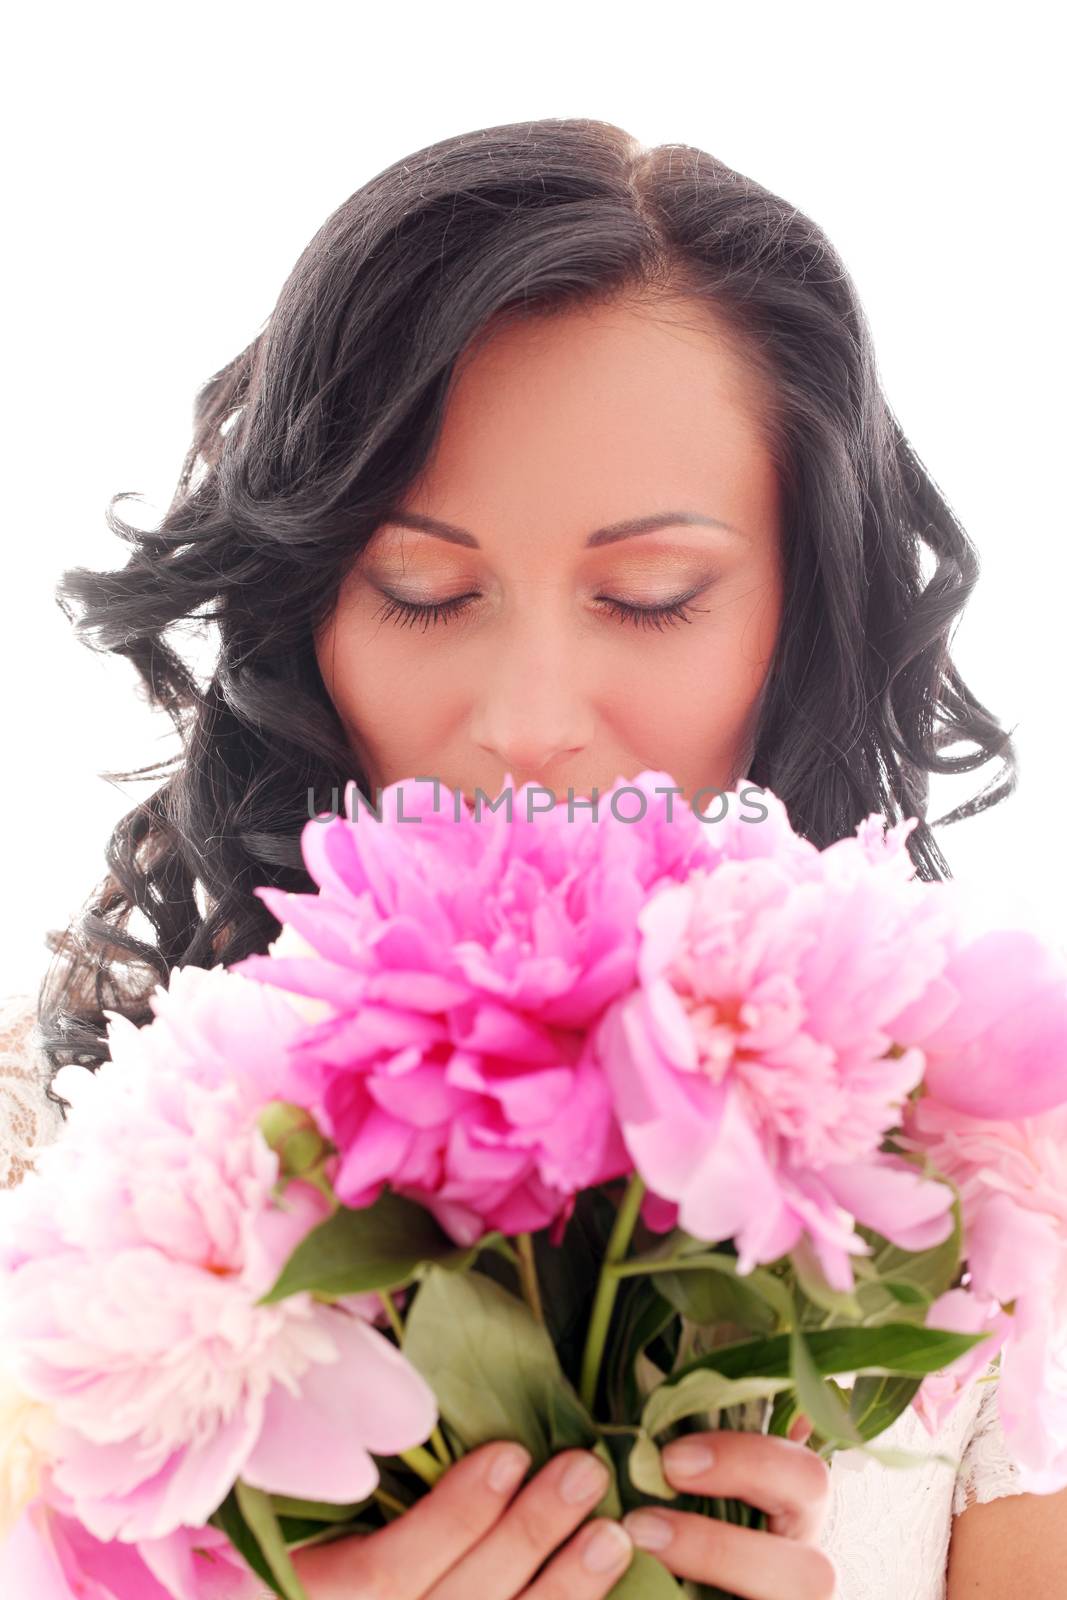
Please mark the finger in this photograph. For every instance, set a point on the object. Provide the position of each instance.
(589, 1567)
(409, 1555)
(545, 1513)
(785, 1479)
(743, 1561)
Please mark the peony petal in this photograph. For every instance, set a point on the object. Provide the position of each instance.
(1002, 1051)
(894, 1199)
(187, 1489)
(1011, 1250)
(316, 1444)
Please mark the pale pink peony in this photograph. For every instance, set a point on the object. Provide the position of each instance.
(459, 964)
(1012, 1181)
(754, 1069)
(131, 1261)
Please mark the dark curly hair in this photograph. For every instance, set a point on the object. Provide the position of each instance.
(303, 442)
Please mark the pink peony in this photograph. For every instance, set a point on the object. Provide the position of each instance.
(132, 1261)
(459, 964)
(959, 1312)
(50, 1556)
(993, 1025)
(754, 1068)
(1012, 1181)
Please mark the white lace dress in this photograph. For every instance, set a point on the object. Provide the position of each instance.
(888, 1529)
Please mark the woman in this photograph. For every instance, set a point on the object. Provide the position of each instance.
(558, 458)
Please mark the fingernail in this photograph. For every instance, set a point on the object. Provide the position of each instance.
(507, 1468)
(582, 1480)
(648, 1530)
(607, 1547)
(687, 1457)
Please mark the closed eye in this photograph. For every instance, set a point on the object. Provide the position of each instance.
(406, 613)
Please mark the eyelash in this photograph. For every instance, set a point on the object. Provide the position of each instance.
(406, 612)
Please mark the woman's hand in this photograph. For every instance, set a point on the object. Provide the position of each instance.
(473, 1537)
(778, 1476)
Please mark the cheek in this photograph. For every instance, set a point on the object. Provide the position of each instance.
(701, 681)
(394, 698)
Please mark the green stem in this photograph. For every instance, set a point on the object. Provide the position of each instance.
(531, 1289)
(422, 1464)
(440, 1449)
(608, 1287)
(392, 1313)
(389, 1502)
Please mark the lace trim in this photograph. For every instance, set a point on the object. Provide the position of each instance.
(889, 1528)
(987, 1471)
(28, 1119)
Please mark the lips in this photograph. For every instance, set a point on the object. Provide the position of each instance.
(487, 797)
(559, 800)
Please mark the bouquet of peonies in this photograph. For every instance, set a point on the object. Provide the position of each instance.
(583, 1128)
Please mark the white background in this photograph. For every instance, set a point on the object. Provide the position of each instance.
(166, 166)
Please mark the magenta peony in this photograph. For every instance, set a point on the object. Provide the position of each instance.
(131, 1262)
(460, 964)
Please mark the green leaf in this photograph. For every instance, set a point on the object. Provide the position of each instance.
(642, 1317)
(650, 1319)
(814, 1287)
(816, 1398)
(300, 1533)
(908, 1294)
(228, 1518)
(875, 1403)
(316, 1510)
(492, 1367)
(293, 1134)
(713, 1299)
(646, 1469)
(878, 1399)
(912, 1279)
(645, 1579)
(377, 1247)
(903, 1347)
(701, 1391)
(568, 1272)
(677, 1245)
(570, 1427)
(688, 1258)
(784, 1413)
(259, 1514)
(835, 1424)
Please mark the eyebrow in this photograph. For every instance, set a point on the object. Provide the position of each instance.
(627, 529)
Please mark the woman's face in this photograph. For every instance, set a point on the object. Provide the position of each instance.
(545, 658)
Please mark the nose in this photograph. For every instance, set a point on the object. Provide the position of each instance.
(532, 713)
